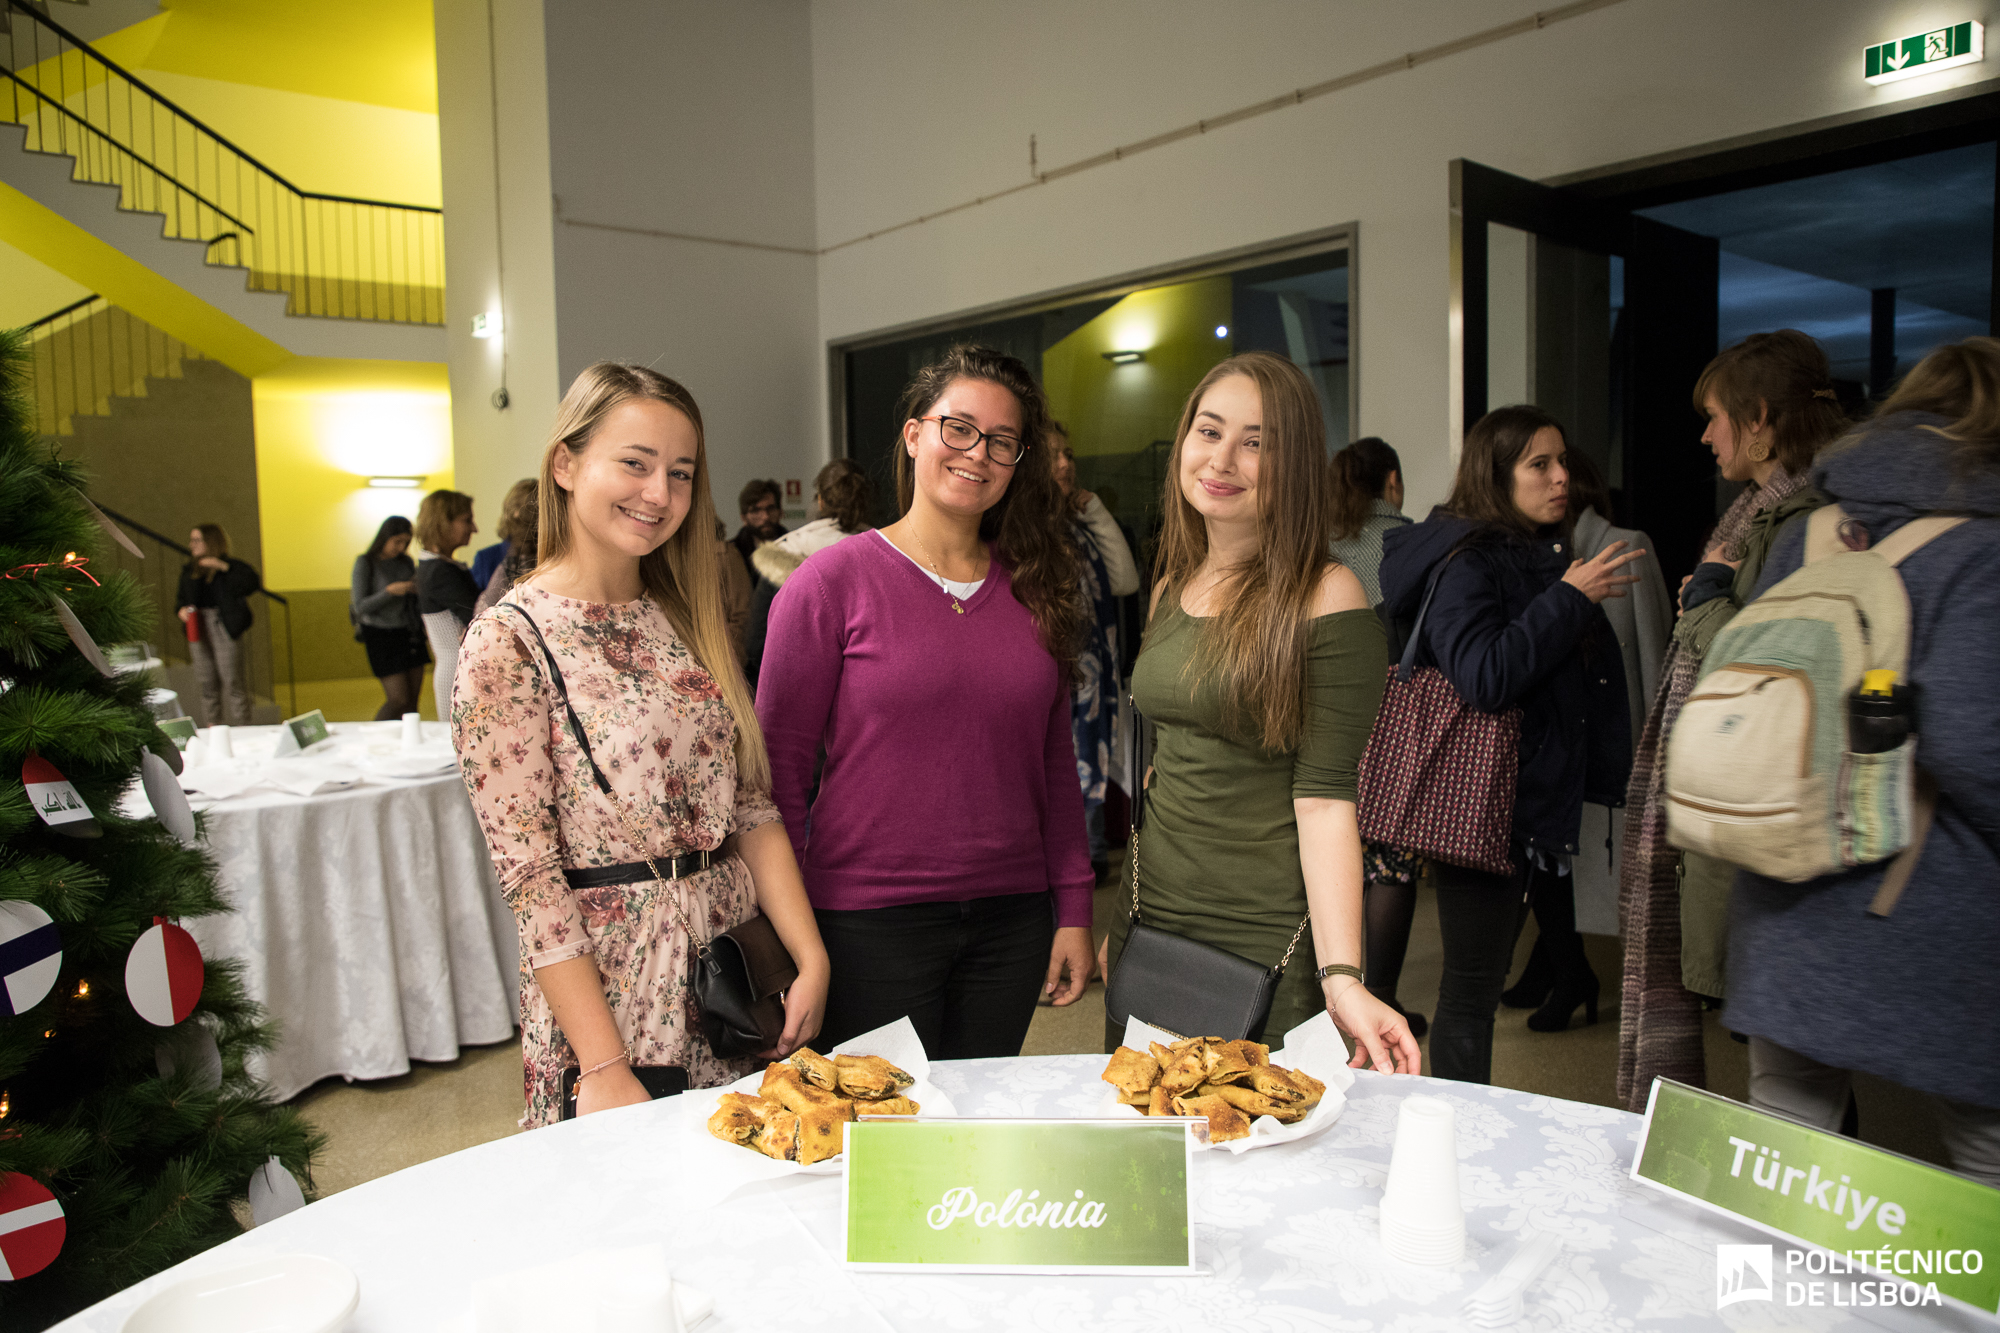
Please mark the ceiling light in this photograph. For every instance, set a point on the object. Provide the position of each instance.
(395, 483)
(1124, 358)
(486, 325)
(1222, 330)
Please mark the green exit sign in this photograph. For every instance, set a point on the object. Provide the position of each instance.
(1926, 53)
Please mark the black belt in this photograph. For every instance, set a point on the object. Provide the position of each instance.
(638, 872)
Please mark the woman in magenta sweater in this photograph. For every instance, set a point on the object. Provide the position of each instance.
(945, 855)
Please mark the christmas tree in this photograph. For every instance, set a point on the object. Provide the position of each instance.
(148, 1155)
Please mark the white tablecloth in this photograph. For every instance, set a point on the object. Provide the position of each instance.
(368, 920)
(1288, 1234)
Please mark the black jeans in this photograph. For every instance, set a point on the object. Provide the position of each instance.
(1479, 916)
(966, 974)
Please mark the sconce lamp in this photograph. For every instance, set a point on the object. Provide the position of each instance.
(1124, 358)
(396, 483)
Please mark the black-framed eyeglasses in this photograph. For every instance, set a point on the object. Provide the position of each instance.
(964, 437)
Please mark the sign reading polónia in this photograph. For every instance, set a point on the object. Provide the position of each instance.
(1926, 53)
(1868, 1209)
(1019, 1196)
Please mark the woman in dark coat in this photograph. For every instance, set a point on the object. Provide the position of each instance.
(1515, 623)
(214, 603)
(1819, 985)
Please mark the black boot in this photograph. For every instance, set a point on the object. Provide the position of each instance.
(1538, 978)
(1575, 984)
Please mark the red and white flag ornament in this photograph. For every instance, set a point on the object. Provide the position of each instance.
(30, 957)
(163, 974)
(31, 1226)
(55, 800)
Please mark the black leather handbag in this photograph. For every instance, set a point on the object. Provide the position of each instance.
(739, 977)
(658, 1081)
(1181, 985)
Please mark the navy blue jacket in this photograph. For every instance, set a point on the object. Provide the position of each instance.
(1910, 997)
(1508, 632)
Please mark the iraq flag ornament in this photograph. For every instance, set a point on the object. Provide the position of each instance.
(56, 801)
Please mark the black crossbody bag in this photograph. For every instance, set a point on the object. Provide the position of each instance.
(1181, 985)
(738, 978)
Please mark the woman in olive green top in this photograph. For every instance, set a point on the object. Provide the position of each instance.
(1262, 668)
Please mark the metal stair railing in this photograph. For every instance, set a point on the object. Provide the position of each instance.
(331, 255)
(89, 352)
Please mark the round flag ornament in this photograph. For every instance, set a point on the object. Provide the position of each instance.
(56, 801)
(30, 957)
(163, 974)
(31, 1226)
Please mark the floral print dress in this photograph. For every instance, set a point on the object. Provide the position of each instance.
(664, 737)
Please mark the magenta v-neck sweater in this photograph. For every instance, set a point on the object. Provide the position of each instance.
(950, 773)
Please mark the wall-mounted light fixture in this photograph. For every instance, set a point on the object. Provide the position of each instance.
(395, 483)
(1222, 330)
(1124, 358)
(486, 324)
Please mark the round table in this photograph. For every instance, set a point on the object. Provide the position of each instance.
(1287, 1234)
(368, 920)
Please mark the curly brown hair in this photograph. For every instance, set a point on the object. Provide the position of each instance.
(1029, 525)
(1784, 378)
(845, 494)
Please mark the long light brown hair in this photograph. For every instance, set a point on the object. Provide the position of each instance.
(1257, 646)
(681, 575)
(1483, 489)
(1029, 525)
(1361, 473)
(1960, 381)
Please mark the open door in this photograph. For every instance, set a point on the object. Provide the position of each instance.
(1604, 319)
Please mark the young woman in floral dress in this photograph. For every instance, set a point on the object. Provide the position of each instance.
(628, 601)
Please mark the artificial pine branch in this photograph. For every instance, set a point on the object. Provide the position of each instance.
(149, 1168)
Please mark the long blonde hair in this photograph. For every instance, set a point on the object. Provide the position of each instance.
(1259, 642)
(681, 575)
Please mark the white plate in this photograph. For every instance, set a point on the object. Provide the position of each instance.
(295, 1293)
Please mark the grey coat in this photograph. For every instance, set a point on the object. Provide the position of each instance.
(1362, 552)
(1910, 996)
(368, 600)
(1643, 620)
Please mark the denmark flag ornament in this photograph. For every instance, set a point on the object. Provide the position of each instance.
(163, 974)
(31, 1226)
(55, 800)
(30, 957)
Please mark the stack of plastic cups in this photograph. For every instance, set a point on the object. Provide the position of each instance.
(413, 732)
(1422, 1222)
(219, 746)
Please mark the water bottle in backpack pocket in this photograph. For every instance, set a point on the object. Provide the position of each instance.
(1878, 786)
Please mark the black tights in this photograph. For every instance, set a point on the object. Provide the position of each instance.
(1390, 908)
(402, 690)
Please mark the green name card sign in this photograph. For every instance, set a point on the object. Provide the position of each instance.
(1020, 1196)
(301, 733)
(1872, 1210)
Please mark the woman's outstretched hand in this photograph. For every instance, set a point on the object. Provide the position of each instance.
(1381, 1035)
(1601, 576)
(1070, 953)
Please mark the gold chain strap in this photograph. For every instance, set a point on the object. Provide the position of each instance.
(1290, 949)
(694, 938)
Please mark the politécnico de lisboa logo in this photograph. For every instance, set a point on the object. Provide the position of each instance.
(1742, 1273)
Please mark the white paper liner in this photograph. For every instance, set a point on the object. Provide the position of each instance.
(713, 1170)
(1314, 1047)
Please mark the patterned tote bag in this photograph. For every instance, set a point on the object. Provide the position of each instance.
(1437, 778)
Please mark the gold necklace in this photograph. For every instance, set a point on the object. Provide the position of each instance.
(943, 583)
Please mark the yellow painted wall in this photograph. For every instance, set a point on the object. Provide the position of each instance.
(1114, 409)
(324, 427)
(30, 289)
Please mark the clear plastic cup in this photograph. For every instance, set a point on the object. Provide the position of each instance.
(1422, 1220)
(413, 732)
(218, 742)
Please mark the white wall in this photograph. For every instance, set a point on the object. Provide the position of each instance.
(491, 447)
(693, 118)
(918, 108)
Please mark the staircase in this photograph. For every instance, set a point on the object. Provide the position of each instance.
(86, 354)
(302, 273)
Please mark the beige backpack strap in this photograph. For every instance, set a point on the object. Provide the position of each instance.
(1823, 533)
(1913, 537)
(1905, 863)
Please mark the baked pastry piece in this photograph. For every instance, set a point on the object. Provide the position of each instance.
(815, 1068)
(868, 1076)
(1186, 1071)
(780, 1136)
(1159, 1101)
(887, 1106)
(1225, 1122)
(784, 1084)
(1253, 1104)
(738, 1119)
(1131, 1071)
(1276, 1083)
(1254, 1053)
(823, 1131)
